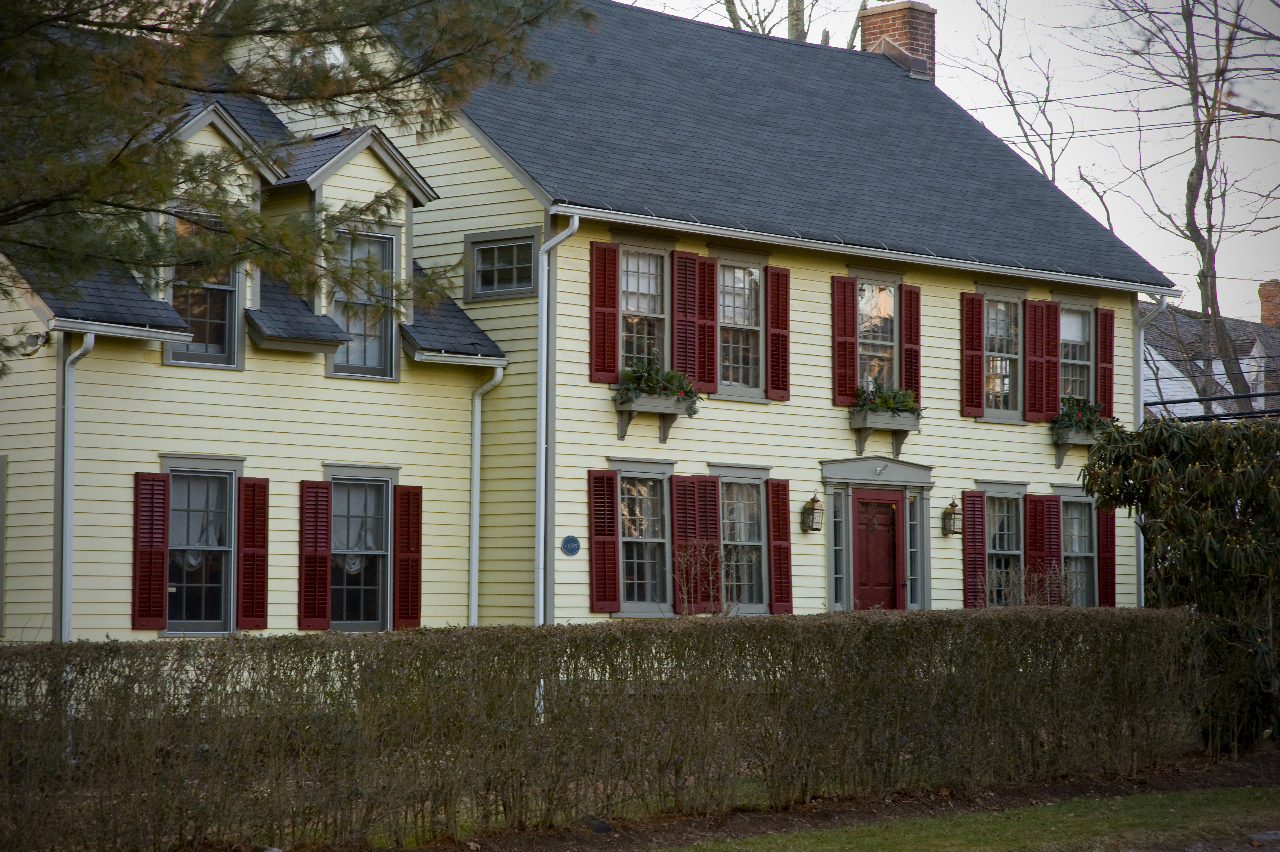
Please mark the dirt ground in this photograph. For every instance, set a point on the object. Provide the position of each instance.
(1193, 773)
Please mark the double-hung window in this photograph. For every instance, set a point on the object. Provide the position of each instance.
(741, 317)
(644, 541)
(1004, 551)
(1076, 359)
(877, 335)
(644, 309)
(207, 299)
(1001, 346)
(200, 551)
(742, 532)
(1078, 554)
(361, 549)
(368, 316)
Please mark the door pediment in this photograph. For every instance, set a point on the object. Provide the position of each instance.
(877, 472)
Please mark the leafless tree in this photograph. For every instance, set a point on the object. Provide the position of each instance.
(1211, 64)
(1024, 77)
(765, 16)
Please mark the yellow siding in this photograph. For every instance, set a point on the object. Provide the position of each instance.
(794, 436)
(26, 437)
(358, 180)
(286, 418)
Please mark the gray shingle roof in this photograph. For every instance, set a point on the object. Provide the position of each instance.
(286, 316)
(257, 119)
(112, 296)
(446, 328)
(656, 115)
(308, 155)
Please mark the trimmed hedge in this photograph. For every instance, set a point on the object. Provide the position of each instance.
(403, 737)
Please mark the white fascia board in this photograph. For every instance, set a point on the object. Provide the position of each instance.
(493, 150)
(464, 360)
(858, 251)
(391, 158)
(227, 125)
(106, 329)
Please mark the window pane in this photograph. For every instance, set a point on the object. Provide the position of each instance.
(206, 310)
(739, 357)
(642, 283)
(739, 295)
(199, 549)
(913, 551)
(1004, 551)
(1076, 359)
(644, 541)
(838, 550)
(359, 551)
(643, 341)
(742, 530)
(876, 335)
(1077, 551)
(500, 268)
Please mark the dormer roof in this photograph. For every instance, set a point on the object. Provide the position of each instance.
(314, 159)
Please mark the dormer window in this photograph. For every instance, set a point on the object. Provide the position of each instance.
(365, 316)
(208, 300)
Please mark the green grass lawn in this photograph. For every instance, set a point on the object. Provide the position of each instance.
(1149, 820)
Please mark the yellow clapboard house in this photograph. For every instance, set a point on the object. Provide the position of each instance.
(791, 227)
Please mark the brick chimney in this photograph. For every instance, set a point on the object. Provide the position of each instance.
(1269, 296)
(906, 25)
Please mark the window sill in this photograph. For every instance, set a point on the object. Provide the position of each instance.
(493, 297)
(204, 365)
(335, 374)
(731, 396)
(1013, 419)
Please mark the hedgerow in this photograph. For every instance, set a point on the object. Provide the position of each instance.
(399, 738)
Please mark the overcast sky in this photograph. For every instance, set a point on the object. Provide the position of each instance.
(1098, 101)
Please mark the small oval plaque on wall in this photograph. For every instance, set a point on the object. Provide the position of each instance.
(570, 546)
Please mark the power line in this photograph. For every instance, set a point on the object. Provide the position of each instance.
(1067, 98)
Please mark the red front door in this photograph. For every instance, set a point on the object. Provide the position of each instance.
(877, 550)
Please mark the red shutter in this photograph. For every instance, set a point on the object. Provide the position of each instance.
(603, 542)
(910, 378)
(315, 555)
(778, 293)
(1107, 558)
(844, 340)
(150, 551)
(695, 509)
(974, 509)
(1044, 550)
(1052, 358)
(684, 301)
(708, 329)
(779, 508)
(406, 558)
(1106, 360)
(251, 555)
(604, 312)
(1033, 399)
(972, 403)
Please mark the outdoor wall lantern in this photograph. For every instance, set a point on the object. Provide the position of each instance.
(951, 519)
(812, 514)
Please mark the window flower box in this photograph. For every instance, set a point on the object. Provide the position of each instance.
(898, 423)
(1065, 438)
(668, 408)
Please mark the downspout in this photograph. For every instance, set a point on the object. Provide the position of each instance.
(67, 455)
(473, 575)
(1140, 413)
(544, 384)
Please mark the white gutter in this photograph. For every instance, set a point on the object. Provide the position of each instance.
(1139, 415)
(106, 329)
(858, 251)
(473, 571)
(67, 439)
(544, 383)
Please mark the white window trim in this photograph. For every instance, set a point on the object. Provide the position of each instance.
(233, 466)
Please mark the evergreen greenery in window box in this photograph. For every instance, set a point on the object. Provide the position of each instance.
(1076, 425)
(648, 389)
(887, 409)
